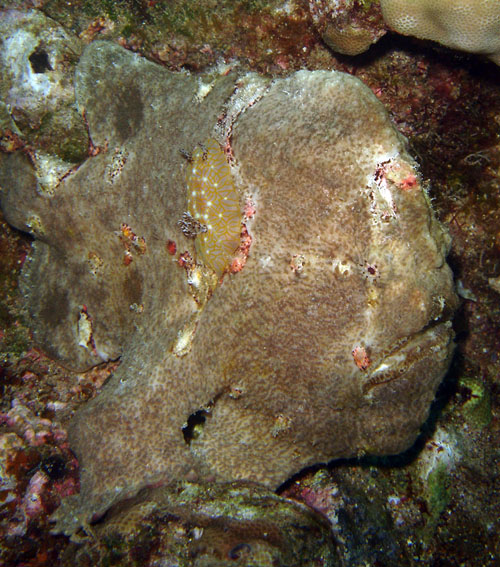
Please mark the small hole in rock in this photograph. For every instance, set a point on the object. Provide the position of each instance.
(240, 551)
(54, 466)
(194, 425)
(39, 60)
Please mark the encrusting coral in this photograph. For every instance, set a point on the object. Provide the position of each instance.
(328, 339)
(351, 26)
(348, 26)
(468, 25)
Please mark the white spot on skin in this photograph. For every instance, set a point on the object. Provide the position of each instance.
(386, 195)
(266, 261)
(194, 278)
(203, 89)
(343, 267)
(183, 343)
(84, 330)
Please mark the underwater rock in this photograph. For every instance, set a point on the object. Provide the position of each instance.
(37, 65)
(329, 332)
(192, 525)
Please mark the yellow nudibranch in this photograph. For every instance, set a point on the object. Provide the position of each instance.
(213, 202)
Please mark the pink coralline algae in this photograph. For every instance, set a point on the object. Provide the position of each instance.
(36, 469)
(327, 338)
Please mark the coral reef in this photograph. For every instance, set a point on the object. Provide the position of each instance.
(193, 34)
(193, 525)
(468, 25)
(36, 86)
(349, 27)
(330, 342)
(435, 504)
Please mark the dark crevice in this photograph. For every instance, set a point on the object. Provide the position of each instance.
(196, 421)
(194, 424)
(39, 60)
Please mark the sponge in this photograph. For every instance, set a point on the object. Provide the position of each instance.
(468, 25)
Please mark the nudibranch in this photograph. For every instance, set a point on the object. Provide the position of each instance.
(213, 203)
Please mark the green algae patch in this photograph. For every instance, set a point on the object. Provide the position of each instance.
(61, 133)
(438, 490)
(194, 34)
(476, 408)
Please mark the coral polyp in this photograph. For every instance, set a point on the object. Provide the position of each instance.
(213, 202)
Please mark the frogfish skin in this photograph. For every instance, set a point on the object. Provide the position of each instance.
(330, 343)
(213, 202)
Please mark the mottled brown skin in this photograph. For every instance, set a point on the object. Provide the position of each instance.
(341, 357)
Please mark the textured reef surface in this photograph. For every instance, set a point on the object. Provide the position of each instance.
(434, 505)
(220, 524)
(329, 332)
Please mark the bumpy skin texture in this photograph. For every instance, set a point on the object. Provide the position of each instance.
(469, 25)
(329, 343)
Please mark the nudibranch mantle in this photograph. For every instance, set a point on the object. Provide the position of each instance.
(213, 202)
